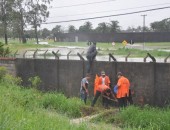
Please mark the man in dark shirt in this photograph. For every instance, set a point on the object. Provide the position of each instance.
(91, 54)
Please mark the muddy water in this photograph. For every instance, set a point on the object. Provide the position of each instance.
(72, 51)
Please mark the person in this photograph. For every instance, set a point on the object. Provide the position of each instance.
(103, 79)
(84, 88)
(91, 54)
(108, 96)
(100, 82)
(123, 85)
(106, 93)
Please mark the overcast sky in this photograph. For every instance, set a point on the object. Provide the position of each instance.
(104, 8)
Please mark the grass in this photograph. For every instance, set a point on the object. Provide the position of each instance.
(30, 109)
(136, 118)
(103, 48)
(20, 109)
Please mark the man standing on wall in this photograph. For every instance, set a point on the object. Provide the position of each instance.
(84, 88)
(123, 85)
(91, 54)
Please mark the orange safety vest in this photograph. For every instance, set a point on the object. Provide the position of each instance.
(102, 88)
(107, 81)
(96, 83)
(123, 87)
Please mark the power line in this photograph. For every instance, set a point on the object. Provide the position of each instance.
(109, 10)
(108, 15)
(83, 4)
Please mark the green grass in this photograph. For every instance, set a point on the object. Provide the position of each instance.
(136, 118)
(29, 109)
(23, 109)
(103, 48)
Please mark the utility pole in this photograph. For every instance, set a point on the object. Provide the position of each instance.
(144, 30)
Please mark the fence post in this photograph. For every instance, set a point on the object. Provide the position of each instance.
(82, 59)
(165, 60)
(45, 54)
(126, 58)
(68, 55)
(144, 60)
(150, 56)
(80, 56)
(24, 54)
(55, 54)
(112, 57)
(34, 55)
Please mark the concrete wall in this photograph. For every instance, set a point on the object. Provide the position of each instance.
(150, 81)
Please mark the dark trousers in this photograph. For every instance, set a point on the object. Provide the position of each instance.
(83, 95)
(89, 64)
(122, 102)
(129, 99)
(106, 102)
(98, 93)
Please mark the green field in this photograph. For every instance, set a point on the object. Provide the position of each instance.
(103, 48)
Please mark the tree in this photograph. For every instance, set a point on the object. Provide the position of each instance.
(5, 15)
(71, 29)
(19, 18)
(87, 27)
(137, 29)
(114, 26)
(102, 28)
(45, 33)
(57, 33)
(37, 13)
(161, 26)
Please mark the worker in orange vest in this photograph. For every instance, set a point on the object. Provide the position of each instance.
(123, 85)
(101, 85)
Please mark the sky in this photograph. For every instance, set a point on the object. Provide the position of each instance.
(63, 10)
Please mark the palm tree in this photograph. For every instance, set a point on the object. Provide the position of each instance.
(102, 28)
(114, 26)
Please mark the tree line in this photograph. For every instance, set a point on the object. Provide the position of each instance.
(15, 15)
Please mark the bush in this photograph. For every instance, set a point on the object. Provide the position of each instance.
(12, 80)
(3, 72)
(4, 51)
(35, 81)
(59, 102)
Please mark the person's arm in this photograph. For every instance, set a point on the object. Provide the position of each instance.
(85, 88)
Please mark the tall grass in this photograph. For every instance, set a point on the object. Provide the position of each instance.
(136, 118)
(29, 109)
(148, 118)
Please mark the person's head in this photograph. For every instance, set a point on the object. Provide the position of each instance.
(108, 92)
(103, 74)
(88, 76)
(119, 74)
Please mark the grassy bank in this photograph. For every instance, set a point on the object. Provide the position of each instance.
(136, 118)
(29, 109)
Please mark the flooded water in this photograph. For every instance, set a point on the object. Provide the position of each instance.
(70, 53)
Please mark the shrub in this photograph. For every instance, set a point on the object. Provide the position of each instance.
(35, 81)
(59, 102)
(4, 51)
(12, 80)
(3, 72)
